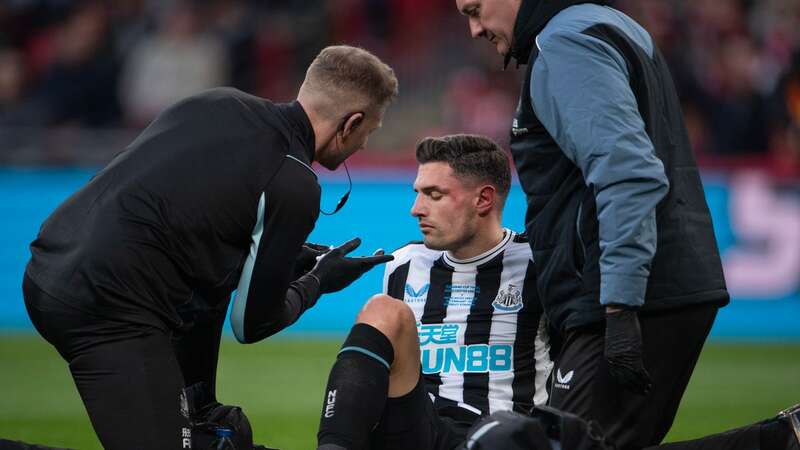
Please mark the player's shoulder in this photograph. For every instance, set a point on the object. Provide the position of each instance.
(214, 97)
(519, 247)
(258, 116)
(413, 250)
(220, 109)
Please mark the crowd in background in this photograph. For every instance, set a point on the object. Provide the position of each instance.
(110, 66)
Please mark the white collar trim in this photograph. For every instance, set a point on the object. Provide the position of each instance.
(483, 257)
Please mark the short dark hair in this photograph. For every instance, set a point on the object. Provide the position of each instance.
(469, 155)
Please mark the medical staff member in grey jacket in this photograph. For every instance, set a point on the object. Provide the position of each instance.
(627, 263)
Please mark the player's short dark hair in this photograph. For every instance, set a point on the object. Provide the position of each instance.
(472, 156)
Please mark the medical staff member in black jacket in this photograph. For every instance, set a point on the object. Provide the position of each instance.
(627, 264)
(131, 276)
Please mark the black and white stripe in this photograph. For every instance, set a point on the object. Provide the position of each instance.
(444, 291)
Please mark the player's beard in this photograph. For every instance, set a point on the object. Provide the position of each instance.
(442, 244)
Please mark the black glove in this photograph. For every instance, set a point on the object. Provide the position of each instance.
(307, 258)
(335, 271)
(624, 351)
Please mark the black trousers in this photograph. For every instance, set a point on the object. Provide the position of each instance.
(129, 376)
(745, 438)
(583, 385)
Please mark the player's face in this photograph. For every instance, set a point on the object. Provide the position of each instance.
(344, 145)
(492, 20)
(445, 207)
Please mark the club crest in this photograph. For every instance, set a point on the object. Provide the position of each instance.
(508, 299)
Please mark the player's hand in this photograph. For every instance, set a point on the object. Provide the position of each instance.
(307, 258)
(623, 351)
(336, 271)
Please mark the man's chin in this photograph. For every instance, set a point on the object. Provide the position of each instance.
(432, 244)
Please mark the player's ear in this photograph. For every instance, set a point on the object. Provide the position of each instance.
(486, 199)
(351, 123)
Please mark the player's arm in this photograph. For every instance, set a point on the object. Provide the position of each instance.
(388, 279)
(581, 93)
(268, 299)
(393, 281)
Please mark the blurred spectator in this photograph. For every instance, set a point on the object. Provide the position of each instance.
(786, 122)
(275, 58)
(78, 86)
(74, 62)
(731, 102)
(130, 24)
(12, 86)
(775, 24)
(178, 60)
(232, 22)
(472, 103)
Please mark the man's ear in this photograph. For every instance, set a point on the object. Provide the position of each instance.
(487, 199)
(351, 123)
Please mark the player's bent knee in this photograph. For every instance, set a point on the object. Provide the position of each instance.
(390, 316)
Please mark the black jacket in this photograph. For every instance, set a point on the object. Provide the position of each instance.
(616, 210)
(216, 193)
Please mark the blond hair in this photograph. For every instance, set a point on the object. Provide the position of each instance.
(344, 76)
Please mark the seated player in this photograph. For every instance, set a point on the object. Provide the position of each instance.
(458, 332)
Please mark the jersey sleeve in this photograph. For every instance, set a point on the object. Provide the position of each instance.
(581, 93)
(391, 276)
(267, 299)
(387, 275)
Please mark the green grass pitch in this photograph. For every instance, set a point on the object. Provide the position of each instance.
(279, 384)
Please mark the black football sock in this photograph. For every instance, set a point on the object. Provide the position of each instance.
(771, 434)
(357, 389)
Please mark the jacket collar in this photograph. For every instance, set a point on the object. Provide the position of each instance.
(298, 119)
(532, 18)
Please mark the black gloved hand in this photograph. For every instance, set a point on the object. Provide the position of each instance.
(335, 271)
(623, 351)
(307, 258)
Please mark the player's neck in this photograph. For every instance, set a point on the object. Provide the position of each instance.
(324, 129)
(486, 239)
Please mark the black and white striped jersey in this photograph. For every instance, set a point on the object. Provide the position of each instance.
(483, 338)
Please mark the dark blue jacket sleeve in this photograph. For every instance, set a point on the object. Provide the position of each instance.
(581, 93)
